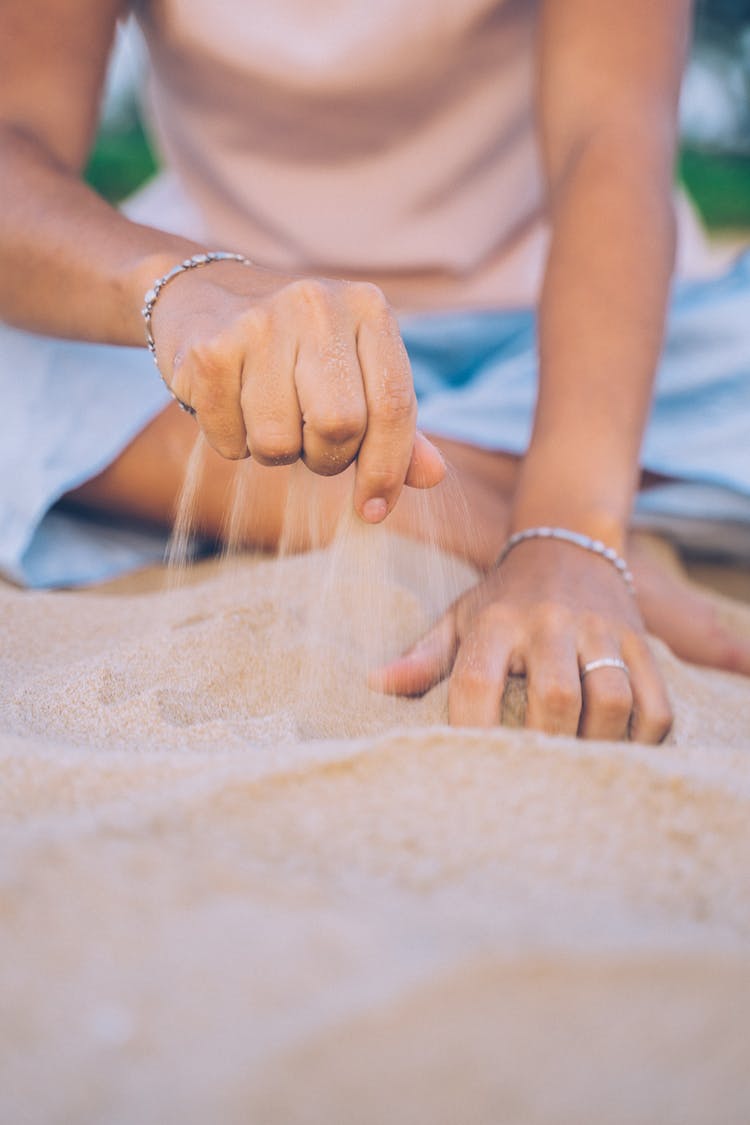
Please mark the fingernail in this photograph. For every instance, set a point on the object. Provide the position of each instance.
(375, 510)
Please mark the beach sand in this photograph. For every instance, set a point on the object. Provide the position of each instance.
(236, 886)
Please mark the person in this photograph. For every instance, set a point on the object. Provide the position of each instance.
(409, 197)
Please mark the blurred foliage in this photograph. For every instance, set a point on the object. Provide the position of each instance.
(728, 15)
(719, 183)
(717, 175)
(122, 158)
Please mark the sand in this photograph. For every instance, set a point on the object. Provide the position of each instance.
(236, 886)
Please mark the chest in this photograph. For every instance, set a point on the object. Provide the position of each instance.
(331, 43)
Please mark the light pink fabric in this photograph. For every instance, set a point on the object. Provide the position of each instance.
(382, 139)
(359, 137)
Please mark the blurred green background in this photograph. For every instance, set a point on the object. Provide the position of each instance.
(714, 161)
(122, 158)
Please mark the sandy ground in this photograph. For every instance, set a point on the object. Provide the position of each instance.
(235, 886)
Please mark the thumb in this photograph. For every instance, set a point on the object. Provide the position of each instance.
(427, 467)
(425, 664)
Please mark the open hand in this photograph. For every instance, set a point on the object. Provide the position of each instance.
(547, 612)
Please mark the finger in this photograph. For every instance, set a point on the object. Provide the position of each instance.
(607, 702)
(652, 715)
(427, 467)
(553, 685)
(207, 377)
(424, 665)
(270, 408)
(690, 619)
(477, 683)
(330, 393)
(386, 451)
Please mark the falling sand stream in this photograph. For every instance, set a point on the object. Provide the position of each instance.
(366, 597)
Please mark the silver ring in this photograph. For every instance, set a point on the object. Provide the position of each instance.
(605, 662)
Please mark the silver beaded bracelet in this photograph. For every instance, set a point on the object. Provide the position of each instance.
(578, 540)
(152, 296)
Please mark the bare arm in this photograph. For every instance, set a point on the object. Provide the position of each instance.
(609, 77)
(69, 264)
(275, 366)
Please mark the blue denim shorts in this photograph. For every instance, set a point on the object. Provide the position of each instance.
(70, 408)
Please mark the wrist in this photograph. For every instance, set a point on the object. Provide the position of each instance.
(575, 539)
(215, 258)
(593, 524)
(138, 273)
(591, 496)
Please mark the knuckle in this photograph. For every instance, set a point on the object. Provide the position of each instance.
(338, 426)
(497, 616)
(383, 478)
(256, 323)
(205, 356)
(559, 697)
(311, 292)
(235, 452)
(395, 399)
(231, 448)
(369, 296)
(273, 447)
(380, 483)
(498, 621)
(328, 462)
(552, 618)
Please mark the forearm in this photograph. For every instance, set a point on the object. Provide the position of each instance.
(70, 265)
(601, 322)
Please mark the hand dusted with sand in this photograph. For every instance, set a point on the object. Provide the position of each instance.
(283, 369)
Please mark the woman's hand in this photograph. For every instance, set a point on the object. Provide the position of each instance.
(281, 368)
(548, 611)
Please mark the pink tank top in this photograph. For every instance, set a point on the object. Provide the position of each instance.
(359, 138)
(391, 140)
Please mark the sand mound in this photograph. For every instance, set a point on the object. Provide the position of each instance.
(236, 885)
